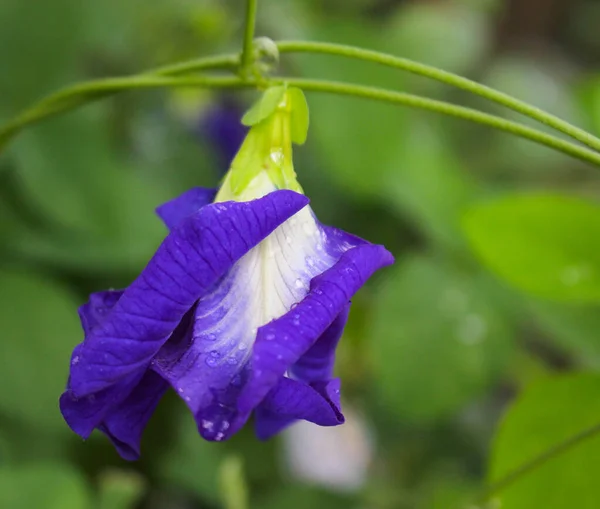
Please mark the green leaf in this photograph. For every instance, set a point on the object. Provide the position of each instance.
(539, 83)
(547, 413)
(439, 338)
(43, 486)
(264, 106)
(572, 327)
(300, 115)
(428, 33)
(544, 244)
(589, 102)
(40, 327)
(38, 52)
(103, 212)
(429, 184)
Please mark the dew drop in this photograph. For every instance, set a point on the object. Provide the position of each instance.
(219, 436)
(270, 337)
(210, 337)
(299, 283)
(207, 425)
(289, 240)
(75, 360)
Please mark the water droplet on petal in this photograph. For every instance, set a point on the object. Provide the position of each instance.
(299, 283)
(270, 336)
(207, 425)
(75, 360)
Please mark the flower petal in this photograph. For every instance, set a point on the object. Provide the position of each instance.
(282, 342)
(190, 202)
(86, 413)
(318, 361)
(209, 369)
(191, 260)
(125, 424)
(96, 309)
(291, 400)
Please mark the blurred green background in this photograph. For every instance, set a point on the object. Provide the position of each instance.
(494, 295)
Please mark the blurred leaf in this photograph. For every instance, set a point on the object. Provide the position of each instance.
(542, 83)
(40, 328)
(589, 99)
(547, 413)
(572, 327)
(38, 49)
(428, 183)
(104, 211)
(193, 463)
(43, 486)
(447, 35)
(548, 245)
(354, 139)
(438, 338)
(296, 496)
(120, 489)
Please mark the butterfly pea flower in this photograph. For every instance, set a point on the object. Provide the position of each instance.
(239, 311)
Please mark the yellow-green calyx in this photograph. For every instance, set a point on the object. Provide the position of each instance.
(264, 161)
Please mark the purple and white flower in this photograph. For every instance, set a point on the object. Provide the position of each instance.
(239, 311)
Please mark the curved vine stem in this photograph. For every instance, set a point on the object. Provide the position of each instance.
(247, 50)
(72, 97)
(415, 101)
(444, 77)
(546, 456)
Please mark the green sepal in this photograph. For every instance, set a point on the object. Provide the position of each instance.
(264, 106)
(299, 115)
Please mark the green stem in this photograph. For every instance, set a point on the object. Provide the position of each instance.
(74, 96)
(445, 77)
(201, 64)
(415, 101)
(70, 98)
(525, 469)
(247, 50)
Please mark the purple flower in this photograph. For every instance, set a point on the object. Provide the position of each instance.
(239, 311)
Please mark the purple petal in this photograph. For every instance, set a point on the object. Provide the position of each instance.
(125, 423)
(86, 413)
(96, 309)
(282, 342)
(190, 202)
(291, 400)
(191, 260)
(317, 363)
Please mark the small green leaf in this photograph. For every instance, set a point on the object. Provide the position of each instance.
(300, 115)
(265, 106)
(549, 412)
(438, 338)
(43, 486)
(39, 329)
(544, 244)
